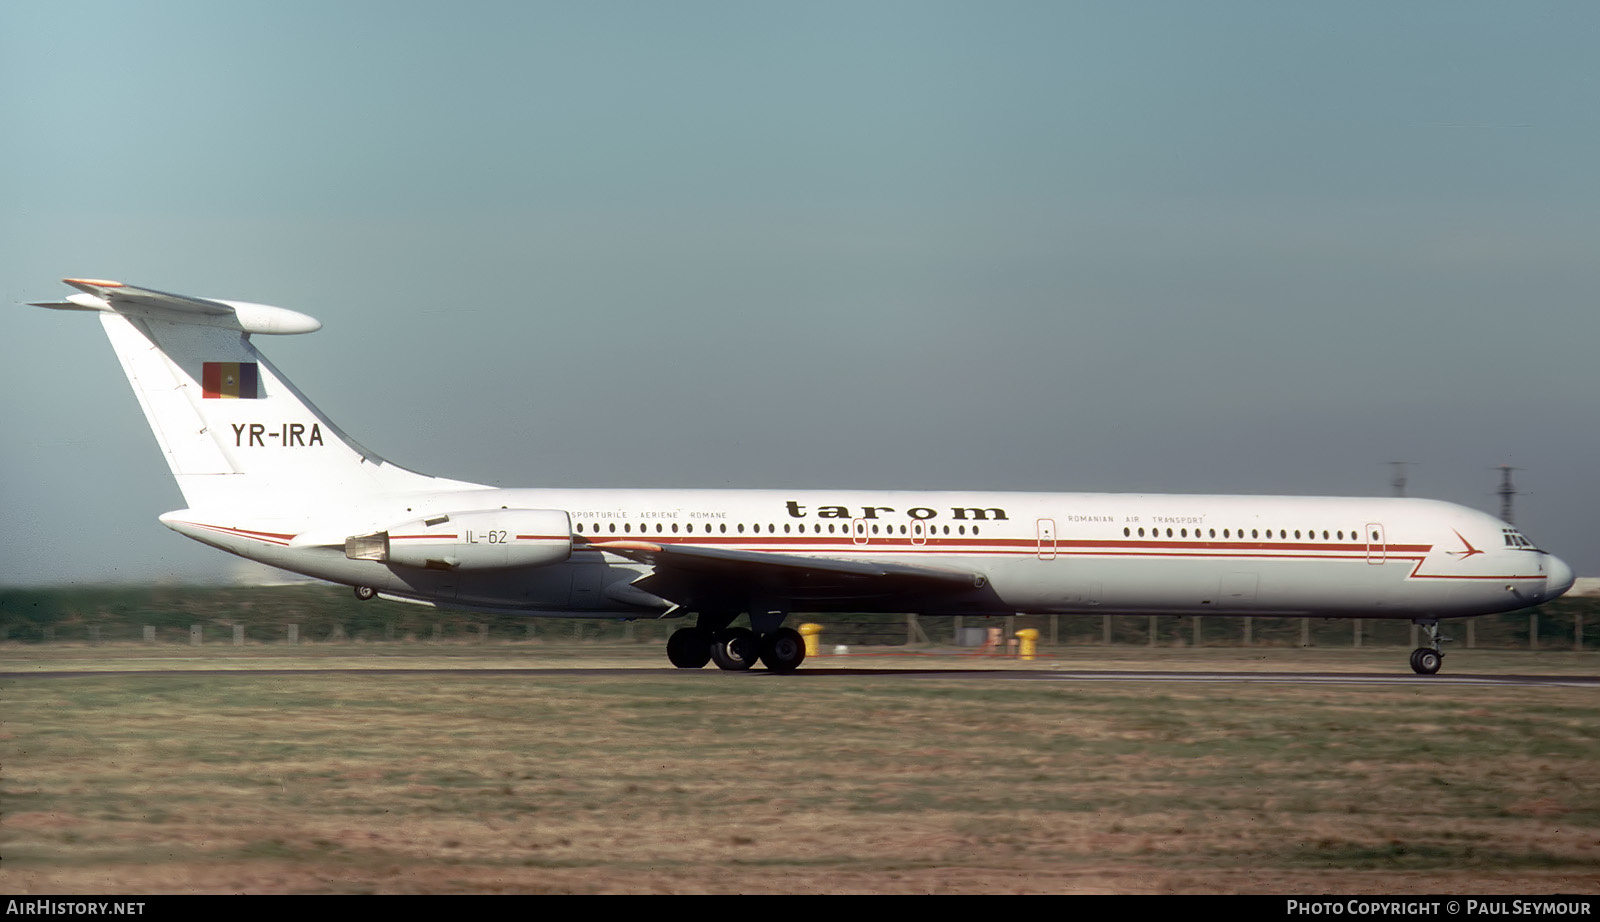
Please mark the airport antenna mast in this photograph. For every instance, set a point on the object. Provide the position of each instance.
(1507, 491)
(1399, 481)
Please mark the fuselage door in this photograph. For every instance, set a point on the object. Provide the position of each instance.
(1047, 539)
(919, 532)
(1377, 551)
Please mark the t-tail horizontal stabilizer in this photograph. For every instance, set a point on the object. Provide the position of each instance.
(149, 304)
(242, 441)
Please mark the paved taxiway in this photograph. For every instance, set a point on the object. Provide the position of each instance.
(1160, 678)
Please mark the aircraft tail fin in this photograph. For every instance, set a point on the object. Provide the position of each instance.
(236, 433)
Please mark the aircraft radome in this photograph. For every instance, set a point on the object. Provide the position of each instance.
(268, 477)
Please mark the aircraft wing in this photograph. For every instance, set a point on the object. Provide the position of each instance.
(698, 575)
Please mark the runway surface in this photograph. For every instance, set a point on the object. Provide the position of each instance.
(1155, 677)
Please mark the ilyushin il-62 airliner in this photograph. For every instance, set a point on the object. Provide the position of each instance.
(268, 477)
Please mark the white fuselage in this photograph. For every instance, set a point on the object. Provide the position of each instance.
(1069, 553)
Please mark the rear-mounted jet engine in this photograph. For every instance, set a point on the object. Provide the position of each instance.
(496, 539)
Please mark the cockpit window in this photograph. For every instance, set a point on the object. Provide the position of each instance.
(1515, 538)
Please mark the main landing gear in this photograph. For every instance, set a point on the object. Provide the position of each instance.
(736, 648)
(1427, 660)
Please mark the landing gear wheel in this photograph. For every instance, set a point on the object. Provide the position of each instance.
(365, 593)
(689, 647)
(783, 650)
(735, 649)
(1426, 661)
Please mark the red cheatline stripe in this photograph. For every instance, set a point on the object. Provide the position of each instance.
(1416, 573)
(854, 549)
(968, 551)
(944, 544)
(452, 536)
(1442, 576)
(266, 536)
(1226, 547)
(629, 545)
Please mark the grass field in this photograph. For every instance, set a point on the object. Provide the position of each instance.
(827, 781)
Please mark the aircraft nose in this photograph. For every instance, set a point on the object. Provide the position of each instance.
(1557, 577)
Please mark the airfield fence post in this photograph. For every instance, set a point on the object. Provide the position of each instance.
(438, 632)
(1105, 629)
(1533, 630)
(1054, 632)
(1472, 633)
(1249, 623)
(1305, 632)
(149, 633)
(1413, 633)
(914, 631)
(1197, 630)
(1152, 632)
(238, 635)
(1577, 632)
(1355, 626)
(50, 634)
(1011, 626)
(294, 635)
(483, 633)
(196, 635)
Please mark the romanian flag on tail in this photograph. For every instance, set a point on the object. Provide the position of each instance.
(232, 380)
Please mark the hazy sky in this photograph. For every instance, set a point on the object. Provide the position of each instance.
(1125, 246)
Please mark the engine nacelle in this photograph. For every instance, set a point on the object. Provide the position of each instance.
(491, 539)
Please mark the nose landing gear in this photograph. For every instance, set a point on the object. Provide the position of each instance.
(1427, 660)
